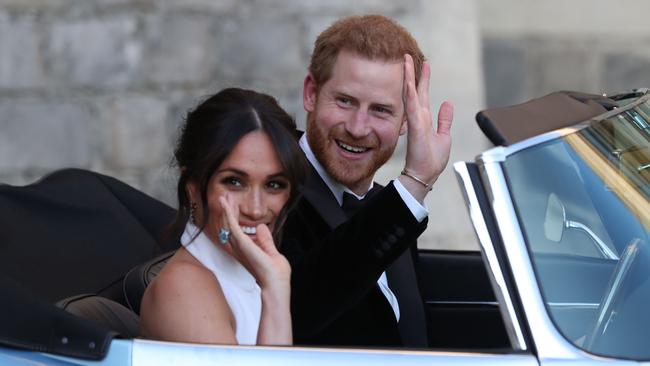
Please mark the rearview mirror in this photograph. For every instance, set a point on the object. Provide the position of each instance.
(555, 218)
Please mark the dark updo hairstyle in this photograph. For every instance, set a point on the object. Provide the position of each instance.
(213, 129)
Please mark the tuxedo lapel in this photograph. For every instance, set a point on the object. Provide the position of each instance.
(404, 284)
(322, 199)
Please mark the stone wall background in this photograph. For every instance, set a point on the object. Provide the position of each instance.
(531, 48)
(104, 84)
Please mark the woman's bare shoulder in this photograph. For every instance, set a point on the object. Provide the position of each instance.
(184, 302)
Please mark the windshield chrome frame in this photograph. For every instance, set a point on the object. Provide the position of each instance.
(512, 323)
(549, 343)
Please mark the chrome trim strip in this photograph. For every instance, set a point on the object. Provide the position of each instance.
(548, 341)
(153, 353)
(502, 293)
(499, 153)
(462, 303)
(574, 305)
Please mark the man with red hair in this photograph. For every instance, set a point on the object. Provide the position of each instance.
(367, 84)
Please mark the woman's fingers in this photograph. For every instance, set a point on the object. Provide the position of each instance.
(230, 214)
(239, 241)
(265, 239)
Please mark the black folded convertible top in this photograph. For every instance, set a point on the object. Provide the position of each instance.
(508, 125)
(76, 232)
(73, 232)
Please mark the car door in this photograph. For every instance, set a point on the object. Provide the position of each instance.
(556, 227)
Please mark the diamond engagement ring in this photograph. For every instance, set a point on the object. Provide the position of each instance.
(224, 235)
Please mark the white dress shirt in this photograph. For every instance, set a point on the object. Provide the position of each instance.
(417, 209)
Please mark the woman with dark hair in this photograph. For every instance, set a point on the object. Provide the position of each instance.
(240, 172)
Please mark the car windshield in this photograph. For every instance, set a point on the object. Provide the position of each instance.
(582, 201)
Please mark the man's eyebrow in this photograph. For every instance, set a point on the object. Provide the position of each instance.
(342, 94)
(384, 105)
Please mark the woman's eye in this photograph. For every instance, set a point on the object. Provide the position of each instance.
(232, 181)
(277, 185)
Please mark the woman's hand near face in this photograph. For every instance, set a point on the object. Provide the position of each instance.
(262, 259)
(272, 272)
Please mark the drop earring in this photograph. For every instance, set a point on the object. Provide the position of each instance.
(193, 212)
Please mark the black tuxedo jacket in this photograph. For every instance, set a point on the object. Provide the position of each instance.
(336, 262)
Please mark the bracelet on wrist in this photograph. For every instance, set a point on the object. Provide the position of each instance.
(428, 186)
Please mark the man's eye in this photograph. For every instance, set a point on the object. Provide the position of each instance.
(232, 181)
(344, 100)
(382, 110)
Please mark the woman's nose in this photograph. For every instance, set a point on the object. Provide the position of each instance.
(253, 204)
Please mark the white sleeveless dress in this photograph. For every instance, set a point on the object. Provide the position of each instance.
(239, 287)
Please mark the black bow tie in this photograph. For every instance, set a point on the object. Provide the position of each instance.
(351, 204)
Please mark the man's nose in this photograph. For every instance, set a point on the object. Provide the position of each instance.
(253, 205)
(357, 126)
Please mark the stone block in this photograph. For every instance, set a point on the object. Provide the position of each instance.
(125, 2)
(338, 7)
(94, 52)
(570, 64)
(179, 49)
(21, 64)
(625, 71)
(504, 65)
(211, 6)
(261, 49)
(22, 5)
(44, 135)
(135, 133)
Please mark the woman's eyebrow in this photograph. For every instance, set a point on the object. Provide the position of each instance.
(280, 174)
(232, 170)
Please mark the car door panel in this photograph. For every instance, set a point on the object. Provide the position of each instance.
(461, 307)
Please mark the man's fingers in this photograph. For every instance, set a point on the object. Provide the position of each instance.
(445, 117)
(423, 87)
(411, 103)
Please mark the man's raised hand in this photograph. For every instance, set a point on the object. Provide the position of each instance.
(427, 150)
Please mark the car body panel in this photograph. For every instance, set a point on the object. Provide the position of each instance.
(153, 353)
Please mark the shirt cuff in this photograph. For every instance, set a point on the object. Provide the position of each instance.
(419, 211)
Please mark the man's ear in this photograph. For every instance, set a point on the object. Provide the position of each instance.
(404, 127)
(309, 93)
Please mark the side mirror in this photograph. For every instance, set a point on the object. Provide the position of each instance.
(555, 218)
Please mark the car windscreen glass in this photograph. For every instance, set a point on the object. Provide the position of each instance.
(582, 201)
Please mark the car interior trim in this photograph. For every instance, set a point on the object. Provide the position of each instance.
(461, 303)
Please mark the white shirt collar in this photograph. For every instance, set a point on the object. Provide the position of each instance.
(334, 186)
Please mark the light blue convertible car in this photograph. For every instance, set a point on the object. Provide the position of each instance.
(561, 211)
